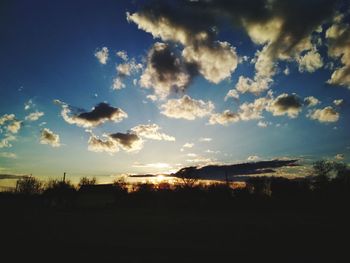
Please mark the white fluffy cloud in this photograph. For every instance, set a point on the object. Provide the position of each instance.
(310, 62)
(49, 137)
(311, 101)
(34, 116)
(232, 94)
(151, 131)
(327, 114)
(224, 118)
(215, 63)
(187, 108)
(338, 102)
(338, 36)
(102, 55)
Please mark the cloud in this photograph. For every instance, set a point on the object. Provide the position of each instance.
(165, 72)
(152, 165)
(118, 84)
(102, 55)
(12, 124)
(29, 105)
(262, 124)
(98, 115)
(338, 37)
(5, 142)
(49, 137)
(311, 101)
(151, 131)
(232, 171)
(186, 108)
(34, 116)
(232, 94)
(124, 70)
(286, 104)
(224, 118)
(338, 102)
(8, 155)
(205, 139)
(112, 143)
(253, 111)
(129, 142)
(339, 157)
(188, 145)
(123, 55)
(96, 144)
(310, 62)
(253, 158)
(11, 176)
(215, 62)
(327, 114)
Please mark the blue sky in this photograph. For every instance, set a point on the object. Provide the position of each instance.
(49, 51)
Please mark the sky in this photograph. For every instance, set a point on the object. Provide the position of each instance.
(105, 88)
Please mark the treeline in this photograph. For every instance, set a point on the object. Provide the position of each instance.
(327, 184)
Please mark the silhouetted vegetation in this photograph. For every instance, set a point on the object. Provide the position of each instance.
(295, 220)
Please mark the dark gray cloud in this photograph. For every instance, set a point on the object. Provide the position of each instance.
(11, 176)
(286, 104)
(166, 71)
(128, 141)
(223, 172)
(98, 115)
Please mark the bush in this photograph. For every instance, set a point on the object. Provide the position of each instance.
(29, 185)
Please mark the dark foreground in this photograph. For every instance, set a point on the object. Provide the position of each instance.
(156, 232)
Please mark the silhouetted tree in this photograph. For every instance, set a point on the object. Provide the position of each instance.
(86, 181)
(29, 185)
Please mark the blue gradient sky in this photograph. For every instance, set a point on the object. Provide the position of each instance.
(47, 52)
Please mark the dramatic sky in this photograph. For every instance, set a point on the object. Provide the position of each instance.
(101, 88)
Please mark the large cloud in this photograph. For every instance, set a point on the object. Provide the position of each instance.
(187, 108)
(49, 137)
(98, 115)
(111, 143)
(165, 71)
(286, 104)
(338, 36)
(327, 114)
(215, 60)
(128, 141)
(151, 131)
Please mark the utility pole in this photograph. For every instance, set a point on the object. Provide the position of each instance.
(64, 177)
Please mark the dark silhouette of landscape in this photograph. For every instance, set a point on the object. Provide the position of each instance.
(269, 219)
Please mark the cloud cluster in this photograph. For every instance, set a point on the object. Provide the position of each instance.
(9, 126)
(187, 108)
(224, 118)
(338, 36)
(111, 143)
(98, 115)
(214, 60)
(125, 69)
(165, 72)
(49, 137)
